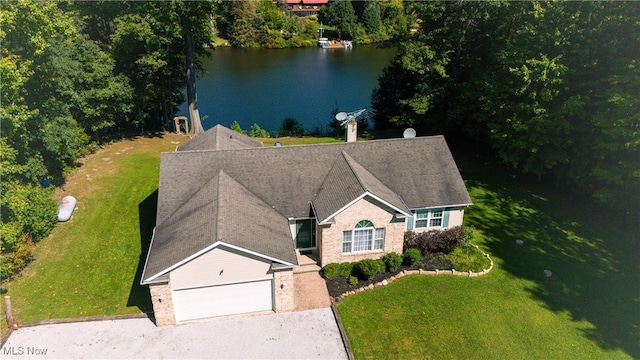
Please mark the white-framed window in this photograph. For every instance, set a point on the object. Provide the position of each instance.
(346, 241)
(364, 237)
(427, 218)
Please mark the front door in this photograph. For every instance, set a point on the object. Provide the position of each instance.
(305, 234)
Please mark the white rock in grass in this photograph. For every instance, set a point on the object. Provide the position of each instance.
(548, 273)
(519, 242)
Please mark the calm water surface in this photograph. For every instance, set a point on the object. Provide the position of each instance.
(265, 86)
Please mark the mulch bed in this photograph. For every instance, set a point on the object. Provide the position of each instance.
(340, 285)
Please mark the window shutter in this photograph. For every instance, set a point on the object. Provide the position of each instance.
(445, 218)
(410, 223)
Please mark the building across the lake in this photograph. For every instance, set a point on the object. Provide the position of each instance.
(304, 7)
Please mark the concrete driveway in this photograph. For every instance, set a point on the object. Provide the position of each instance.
(311, 334)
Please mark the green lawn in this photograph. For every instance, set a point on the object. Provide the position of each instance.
(91, 265)
(588, 309)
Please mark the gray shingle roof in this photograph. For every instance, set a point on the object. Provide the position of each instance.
(221, 210)
(346, 181)
(219, 138)
(421, 170)
(277, 183)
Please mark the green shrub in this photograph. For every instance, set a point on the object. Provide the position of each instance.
(393, 261)
(353, 281)
(469, 259)
(28, 215)
(368, 268)
(334, 270)
(12, 262)
(412, 257)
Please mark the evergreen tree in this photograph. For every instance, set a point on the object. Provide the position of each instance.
(371, 18)
(340, 14)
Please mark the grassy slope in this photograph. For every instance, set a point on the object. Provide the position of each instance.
(588, 309)
(88, 265)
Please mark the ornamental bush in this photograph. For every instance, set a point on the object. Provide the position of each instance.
(412, 257)
(393, 261)
(436, 241)
(368, 268)
(334, 270)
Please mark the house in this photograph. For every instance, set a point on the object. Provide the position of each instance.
(305, 7)
(233, 217)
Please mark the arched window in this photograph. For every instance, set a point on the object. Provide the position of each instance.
(364, 224)
(364, 237)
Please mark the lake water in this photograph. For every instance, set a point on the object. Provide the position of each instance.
(265, 86)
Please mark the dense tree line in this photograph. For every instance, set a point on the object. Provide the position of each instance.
(264, 23)
(367, 21)
(74, 74)
(552, 87)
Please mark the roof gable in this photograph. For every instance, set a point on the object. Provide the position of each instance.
(348, 181)
(219, 212)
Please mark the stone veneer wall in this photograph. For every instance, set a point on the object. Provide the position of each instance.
(364, 209)
(162, 304)
(284, 295)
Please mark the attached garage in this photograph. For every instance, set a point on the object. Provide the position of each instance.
(204, 302)
(222, 281)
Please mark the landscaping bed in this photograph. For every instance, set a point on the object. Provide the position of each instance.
(340, 285)
(431, 250)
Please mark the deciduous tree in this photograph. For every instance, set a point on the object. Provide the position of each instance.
(551, 87)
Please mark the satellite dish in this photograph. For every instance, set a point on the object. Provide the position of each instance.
(409, 133)
(341, 116)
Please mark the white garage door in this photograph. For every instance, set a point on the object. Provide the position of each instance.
(221, 300)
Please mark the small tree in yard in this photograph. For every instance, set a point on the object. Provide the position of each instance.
(291, 127)
(257, 131)
(468, 235)
(235, 126)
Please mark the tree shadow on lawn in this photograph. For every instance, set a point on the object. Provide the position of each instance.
(139, 294)
(593, 260)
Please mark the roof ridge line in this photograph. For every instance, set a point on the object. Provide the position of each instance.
(218, 222)
(271, 148)
(249, 191)
(355, 173)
